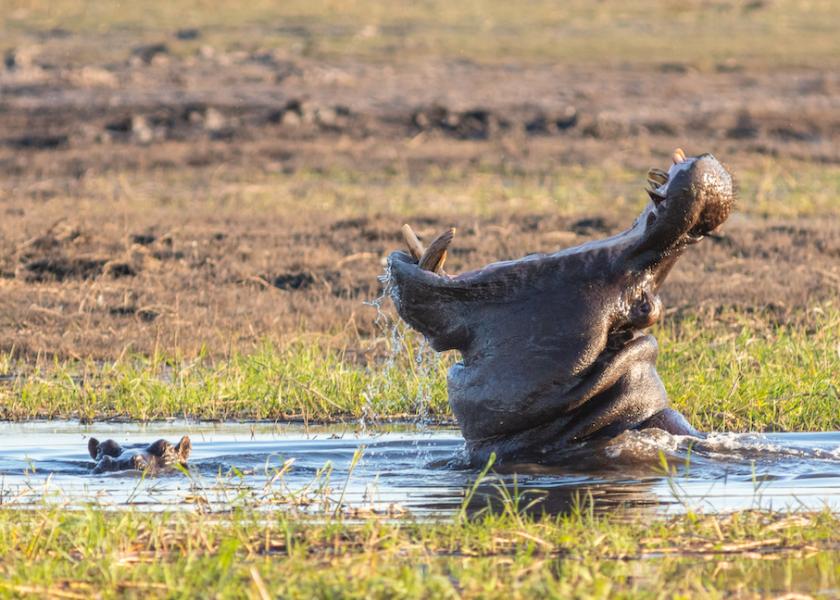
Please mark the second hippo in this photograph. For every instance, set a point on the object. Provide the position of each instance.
(111, 456)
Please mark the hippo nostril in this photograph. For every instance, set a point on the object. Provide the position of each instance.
(645, 311)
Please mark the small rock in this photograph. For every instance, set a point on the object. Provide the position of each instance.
(291, 119)
(17, 58)
(214, 120)
(94, 77)
(148, 52)
(567, 119)
(188, 33)
(140, 130)
(326, 116)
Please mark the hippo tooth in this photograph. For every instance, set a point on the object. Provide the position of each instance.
(657, 176)
(435, 255)
(414, 246)
(678, 156)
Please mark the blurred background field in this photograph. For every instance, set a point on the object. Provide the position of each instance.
(762, 33)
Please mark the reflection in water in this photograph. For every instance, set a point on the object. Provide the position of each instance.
(423, 472)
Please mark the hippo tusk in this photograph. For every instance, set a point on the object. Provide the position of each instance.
(415, 248)
(435, 255)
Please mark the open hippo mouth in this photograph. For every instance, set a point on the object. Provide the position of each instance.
(553, 345)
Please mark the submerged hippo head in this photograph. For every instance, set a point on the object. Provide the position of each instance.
(553, 345)
(110, 456)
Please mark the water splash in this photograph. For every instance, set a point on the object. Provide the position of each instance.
(424, 360)
(388, 290)
(391, 330)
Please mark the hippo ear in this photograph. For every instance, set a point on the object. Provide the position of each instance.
(93, 446)
(158, 448)
(183, 448)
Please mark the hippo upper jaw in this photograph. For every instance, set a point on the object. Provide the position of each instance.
(694, 200)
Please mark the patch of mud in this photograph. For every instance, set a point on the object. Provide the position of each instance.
(780, 266)
(66, 252)
(59, 267)
(473, 124)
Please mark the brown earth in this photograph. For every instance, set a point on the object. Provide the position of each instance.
(85, 289)
(98, 275)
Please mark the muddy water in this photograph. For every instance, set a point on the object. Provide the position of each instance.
(289, 467)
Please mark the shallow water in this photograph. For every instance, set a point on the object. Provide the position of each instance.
(419, 472)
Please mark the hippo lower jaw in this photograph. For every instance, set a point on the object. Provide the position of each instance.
(553, 346)
(620, 390)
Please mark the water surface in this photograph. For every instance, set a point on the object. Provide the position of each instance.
(287, 466)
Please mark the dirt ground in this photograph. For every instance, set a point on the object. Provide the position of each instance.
(94, 265)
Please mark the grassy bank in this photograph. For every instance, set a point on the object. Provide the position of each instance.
(732, 373)
(61, 554)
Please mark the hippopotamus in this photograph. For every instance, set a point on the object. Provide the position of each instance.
(154, 457)
(554, 348)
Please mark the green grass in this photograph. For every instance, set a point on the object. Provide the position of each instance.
(735, 376)
(703, 34)
(732, 374)
(74, 554)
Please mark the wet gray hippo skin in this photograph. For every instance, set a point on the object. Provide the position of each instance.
(553, 346)
(159, 455)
